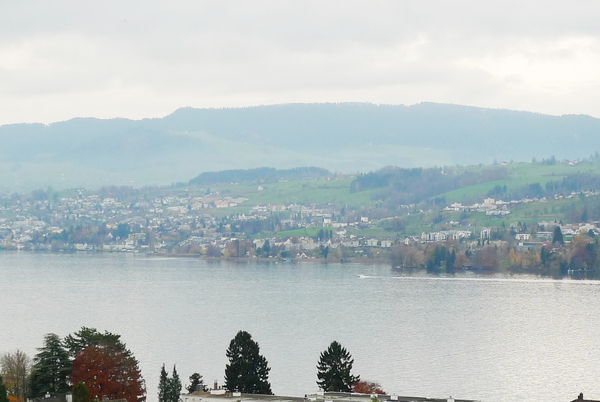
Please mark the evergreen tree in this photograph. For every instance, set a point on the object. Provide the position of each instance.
(558, 237)
(81, 393)
(163, 385)
(450, 260)
(85, 337)
(174, 386)
(543, 255)
(334, 369)
(3, 396)
(266, 247)
(51, 368)
(196, 383)
(247, 370)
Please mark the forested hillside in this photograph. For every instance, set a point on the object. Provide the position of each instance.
(409, 186)
(258, 175)
(350, 137)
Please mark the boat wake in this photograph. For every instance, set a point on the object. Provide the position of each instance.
(521, 280)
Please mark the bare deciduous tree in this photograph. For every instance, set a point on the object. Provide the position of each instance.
(16, 367)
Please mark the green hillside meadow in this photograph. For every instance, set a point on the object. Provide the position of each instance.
(337, 193)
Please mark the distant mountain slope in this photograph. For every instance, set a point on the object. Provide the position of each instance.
(348, 137)
(467, 134)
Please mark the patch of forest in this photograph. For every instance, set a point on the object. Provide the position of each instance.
(577, 182)
(259, 175)
(411, 186)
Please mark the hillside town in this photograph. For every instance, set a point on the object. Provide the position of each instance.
(184, 224)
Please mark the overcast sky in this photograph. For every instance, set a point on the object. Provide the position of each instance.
(64, 59)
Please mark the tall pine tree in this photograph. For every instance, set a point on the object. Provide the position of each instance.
(558, 236)
(51, 368)
(248, 370)
(3, 396)
(174, 386)
(163, 385)
(169, 388)
(334, 369)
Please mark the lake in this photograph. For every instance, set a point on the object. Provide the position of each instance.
(473, 336)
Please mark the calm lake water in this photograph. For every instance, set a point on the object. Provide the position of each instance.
(491, 338)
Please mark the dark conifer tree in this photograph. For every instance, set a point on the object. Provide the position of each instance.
(196, 383)
(558, 237)
(543, 255)
(248, 370)
(584, 215)
(334, 369)
(51, 368)
(3, 396)
(174, 386)
(85, 337)
(450, 260)
(163, 385)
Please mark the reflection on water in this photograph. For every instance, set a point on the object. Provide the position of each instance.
(479, 335)
(574, 275)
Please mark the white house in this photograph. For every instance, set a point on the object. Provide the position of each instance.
(372, 242)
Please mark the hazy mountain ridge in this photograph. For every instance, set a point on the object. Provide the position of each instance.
(348, 137)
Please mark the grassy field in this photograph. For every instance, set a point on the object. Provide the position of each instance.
(310, 232)
(520, 174)
(337, 191)
(322, 191)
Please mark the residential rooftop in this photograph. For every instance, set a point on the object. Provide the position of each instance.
(318, 397)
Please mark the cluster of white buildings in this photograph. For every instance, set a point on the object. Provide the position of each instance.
(308, 243)
(490, 206)
(445, 235)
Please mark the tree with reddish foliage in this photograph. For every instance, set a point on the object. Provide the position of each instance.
(109, 371)
(367, 387)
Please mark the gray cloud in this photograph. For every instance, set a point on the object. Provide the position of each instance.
(140, 59)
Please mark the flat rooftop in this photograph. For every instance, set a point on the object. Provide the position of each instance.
(318, 397)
